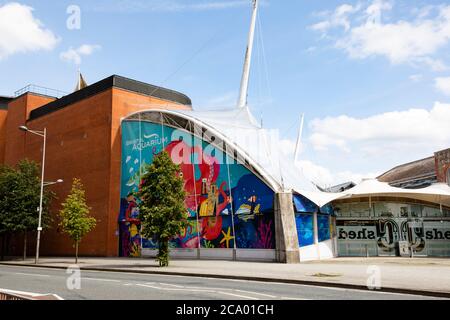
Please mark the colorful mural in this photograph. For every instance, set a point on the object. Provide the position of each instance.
(228, 205)
(305, 229)
(305, 209)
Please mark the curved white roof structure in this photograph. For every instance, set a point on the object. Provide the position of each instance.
(438, 193)
(238, 133)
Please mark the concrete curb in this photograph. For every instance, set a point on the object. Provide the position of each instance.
(428, 293)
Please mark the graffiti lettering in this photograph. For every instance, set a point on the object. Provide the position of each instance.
(436, 234)
(363, 234)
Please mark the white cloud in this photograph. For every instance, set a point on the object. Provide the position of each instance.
(21, 32)
(411, 131)
(324, 178)
(443, 85)
(401, 41)
(375, 10)
(75, 55)
(415, 77)
(339, 18)
(320, 175)
(340, 149)
(311, 49)
(227, 99)
(434, 64)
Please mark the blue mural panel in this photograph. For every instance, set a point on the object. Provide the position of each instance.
(303, 204)
(327, 209)
(215, 187)
(305, 229)
(323, 225)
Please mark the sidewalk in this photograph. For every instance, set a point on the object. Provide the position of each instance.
(430, 276)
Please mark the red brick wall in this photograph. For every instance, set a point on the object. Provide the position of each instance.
(77, 147)
(125, 103)
(442, 160)
(18, 112)
(83, 141)
(3, 114)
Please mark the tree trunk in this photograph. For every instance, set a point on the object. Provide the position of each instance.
(3, 248)
(7, 243)
(76, 252)
(24, 246)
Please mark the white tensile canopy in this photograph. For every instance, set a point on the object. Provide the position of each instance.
(437, 193)
(239, 130)
(261, 148)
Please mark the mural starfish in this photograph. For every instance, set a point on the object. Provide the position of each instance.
(227, 237)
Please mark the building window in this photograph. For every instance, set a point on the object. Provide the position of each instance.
(448, 176)
(323, 227)
(305, 229)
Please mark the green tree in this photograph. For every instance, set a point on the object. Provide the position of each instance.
(162, 210)
(7, 185)
(75, 219)
(27, 201)
(19, 201)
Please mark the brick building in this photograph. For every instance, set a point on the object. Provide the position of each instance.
(84, 141)
(421, 172)
(106, 133)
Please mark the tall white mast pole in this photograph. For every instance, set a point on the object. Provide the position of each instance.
(242, 102)
(299, 138)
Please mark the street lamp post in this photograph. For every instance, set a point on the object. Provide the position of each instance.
(42, 134)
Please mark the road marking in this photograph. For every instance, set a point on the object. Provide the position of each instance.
(212, 278)
(174, 289)
(32, 274)
(170, 285)
(218, 290)
(237, 295)
(191, 289)
(291, 298)
(257, 293)
(324, 286)
(105, 280)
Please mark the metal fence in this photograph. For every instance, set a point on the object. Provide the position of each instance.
(11, 297)
(40, 90)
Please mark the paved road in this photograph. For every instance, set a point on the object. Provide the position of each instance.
(124, 286)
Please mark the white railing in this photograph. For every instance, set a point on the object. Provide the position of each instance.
(40, 90)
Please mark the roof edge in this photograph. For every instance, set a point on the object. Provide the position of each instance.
(268, 179)
(113, 81)
(403, 165)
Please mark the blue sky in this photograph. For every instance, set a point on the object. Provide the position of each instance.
(372, 77)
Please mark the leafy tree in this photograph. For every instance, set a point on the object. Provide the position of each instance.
(75, 220)
(27, 201)
(7, 185)
(162, 210)
(19, 200)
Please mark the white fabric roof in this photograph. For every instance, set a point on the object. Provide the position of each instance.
(437, 193)
(262, 149)
(239, 128)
